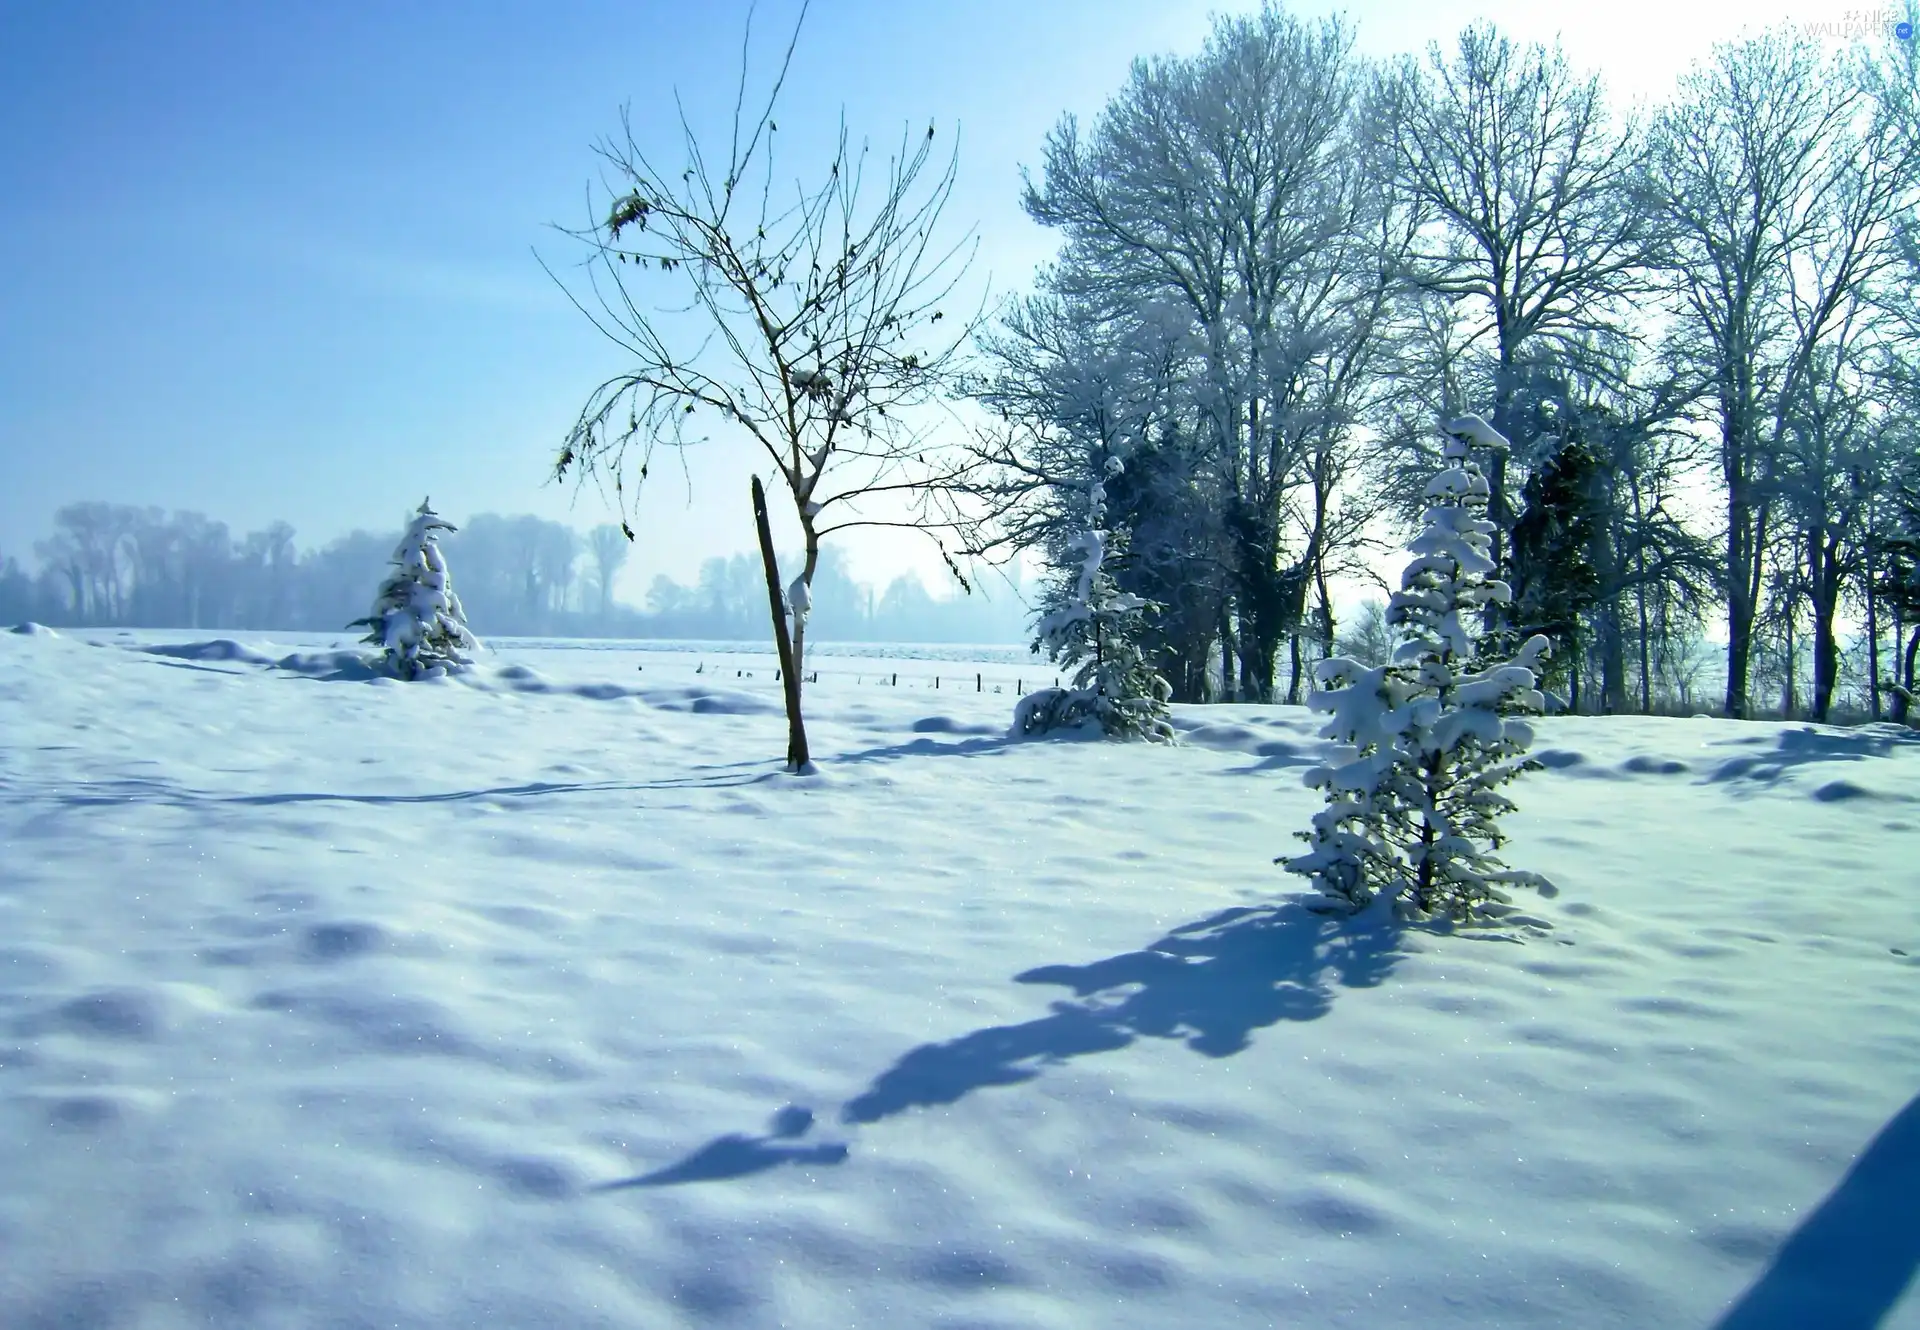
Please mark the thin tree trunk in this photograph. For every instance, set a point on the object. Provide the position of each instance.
(1904, 698)
(1646, 660)
(797, 759)
(1743, 564)
(1227, 654)
(1873, 633)
(1788, 697)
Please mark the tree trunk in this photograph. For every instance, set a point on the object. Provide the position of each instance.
(1227, 654)
(1743, 565)
(1646, 659)
(797, 759)
(1257, 652)
(1788, 696)
(1873, 635)
(1903, 689)
(1826, 657)
(1613, 660)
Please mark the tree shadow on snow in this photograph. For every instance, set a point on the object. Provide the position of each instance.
(1211, 983)
(1849, 1261)
(738, 1156)
(158, 792)
(1798, 748)
(924, 746)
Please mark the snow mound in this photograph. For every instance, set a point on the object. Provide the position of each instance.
(1238, 739)
(220, 648)
(31, 629)
(602, 692)
(1843, 791)
(523, 679)
(948, 725)
(329, 665)
(711, 701)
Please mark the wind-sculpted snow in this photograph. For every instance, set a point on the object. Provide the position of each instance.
(221, 648)
(541, 995)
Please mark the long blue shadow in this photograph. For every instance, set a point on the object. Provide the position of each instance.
(1798, 748)
(1850, 1260)
(106, 793)
(1211, 983)
(738, 1156)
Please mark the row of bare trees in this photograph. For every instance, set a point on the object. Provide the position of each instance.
(1697, 327)
(117, 565)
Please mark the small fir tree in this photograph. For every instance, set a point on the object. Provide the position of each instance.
(1427, 740)
(1095, 630)
(417, 619)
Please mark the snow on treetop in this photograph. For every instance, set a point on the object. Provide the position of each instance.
(1457, 480)
(1472, 430)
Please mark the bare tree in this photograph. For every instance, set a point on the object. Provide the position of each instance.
(1780, 179)
(1534, 235)
(558, 559)
(609, 547)
(815, 331)
(1229, 189)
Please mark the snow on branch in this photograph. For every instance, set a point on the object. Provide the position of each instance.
(1425, 743)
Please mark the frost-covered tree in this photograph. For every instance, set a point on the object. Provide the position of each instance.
(1094, 628)
(1427, 740)
(416, 619)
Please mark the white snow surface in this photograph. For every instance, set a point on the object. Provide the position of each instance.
(543, 997)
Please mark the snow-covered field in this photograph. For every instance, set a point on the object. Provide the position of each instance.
(542, 997)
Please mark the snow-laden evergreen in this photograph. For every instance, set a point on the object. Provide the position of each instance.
(1428, 739)
(1094, 630)
(416, 618)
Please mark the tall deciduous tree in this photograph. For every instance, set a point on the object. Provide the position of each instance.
(1230, 189)
(1780, 178)
(1534, 234)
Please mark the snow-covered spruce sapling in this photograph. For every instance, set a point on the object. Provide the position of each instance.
(1094, 630)
(416, 618)
(1427, 740)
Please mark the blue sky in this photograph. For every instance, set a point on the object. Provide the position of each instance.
(276, 260)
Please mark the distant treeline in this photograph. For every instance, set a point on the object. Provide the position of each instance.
(113, 564)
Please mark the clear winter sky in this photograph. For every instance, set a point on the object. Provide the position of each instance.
(276, 260)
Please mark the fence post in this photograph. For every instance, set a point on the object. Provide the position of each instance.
(896, 681)
(978, 686)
